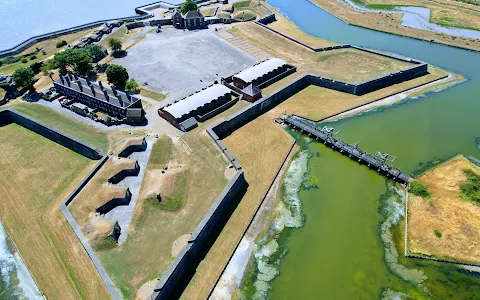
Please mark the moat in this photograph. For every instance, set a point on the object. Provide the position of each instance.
(342, 248)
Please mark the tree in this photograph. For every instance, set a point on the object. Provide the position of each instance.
(132, 86)
(117, 75)
(96, 52)
(115, 44)
(24, 78)
(77, 59)
(61, 43)
(48, 66)
(189, 5)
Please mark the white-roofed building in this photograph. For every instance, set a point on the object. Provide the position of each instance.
(260, 73)
(197, 104)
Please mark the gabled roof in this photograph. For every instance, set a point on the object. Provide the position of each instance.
(183, 107)
(252, 73)
(193, 14)
(252, 90)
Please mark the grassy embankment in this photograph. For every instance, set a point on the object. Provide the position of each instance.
(37, 174)
(443, 12)
(260, 146)
(47, 46)
(196, 165)
(249, 10)
(69, 125)
(446, 223)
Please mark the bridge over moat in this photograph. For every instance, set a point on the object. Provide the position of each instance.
(377, 162)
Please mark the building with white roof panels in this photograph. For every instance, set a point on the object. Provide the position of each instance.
(260, 73)
(197, 104)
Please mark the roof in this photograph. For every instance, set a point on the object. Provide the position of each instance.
(252, 73)
(92, 88)
(199, 99)
(193, 14)
(80, 106)
(252, 90)
(189, 124)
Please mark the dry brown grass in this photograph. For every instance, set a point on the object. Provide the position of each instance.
(36, 176)
(283, 25)
(350, 65)
(98, 191)
(260, 146)
(392, 22)
(458, 220)
(317, 102)
(148, 250)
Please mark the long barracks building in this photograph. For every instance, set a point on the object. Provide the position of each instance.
(94, 95)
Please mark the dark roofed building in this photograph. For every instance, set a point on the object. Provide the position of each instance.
(191, 20)
(94, 95)
(251, 93)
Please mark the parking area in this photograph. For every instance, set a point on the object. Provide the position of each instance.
(178, 63)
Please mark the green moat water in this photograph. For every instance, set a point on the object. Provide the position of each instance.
(352, 219)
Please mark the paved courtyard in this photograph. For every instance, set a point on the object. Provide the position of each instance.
(178, 63)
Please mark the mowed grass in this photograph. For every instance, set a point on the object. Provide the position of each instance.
(445, 225)
(260, 146)
(147, 253)
(317, 102)
(151, 94)
(69, 125)
(36, 175)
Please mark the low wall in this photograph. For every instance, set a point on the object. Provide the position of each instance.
(179, 273)
(160, 22)
(135, 25)
(133, 148)
(105, 208)
(267, 19)
(52, 134)
(124, 174)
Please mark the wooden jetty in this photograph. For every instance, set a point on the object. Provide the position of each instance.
(325, 135)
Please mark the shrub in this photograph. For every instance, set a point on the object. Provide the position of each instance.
(43, 52)
(33, 57)
(61, 43)
(419, 189)
(4, 85)
(45, 97)
(24, 60)
(1, 63)
(11, 60)
(132, 87)
(438, 234)
(471, 187)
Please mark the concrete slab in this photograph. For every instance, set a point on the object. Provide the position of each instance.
(178, 63)
(124, 214)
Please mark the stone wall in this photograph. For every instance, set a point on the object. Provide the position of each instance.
(52, 134)
(124, 174)
(179, 273)
(36, 39)
(133, 148)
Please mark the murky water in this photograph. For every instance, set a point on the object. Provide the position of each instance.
(350, 244)
(15, 280)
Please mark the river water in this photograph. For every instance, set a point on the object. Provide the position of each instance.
(352, 217)
(22, 19)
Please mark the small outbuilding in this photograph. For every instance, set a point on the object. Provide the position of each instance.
(260, 73)
(251, 93)
(196, 105)
(191, 20)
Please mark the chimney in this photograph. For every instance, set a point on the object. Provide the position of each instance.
(100, 85)
(62, 80)
(76, 76)
(106, 95)
(93, 90)
(114, 91)
(69, 75)
(68, 80)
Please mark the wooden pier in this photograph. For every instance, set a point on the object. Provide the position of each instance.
(325, 135)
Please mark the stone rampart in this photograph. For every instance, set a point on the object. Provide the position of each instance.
(135, 25)
(52, 134)
(124, 174)
(179, 273)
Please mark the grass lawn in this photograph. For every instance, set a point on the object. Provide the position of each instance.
(76, 128)
(49, 46)
(37, 174)
(148, 249)
(241, 4)
(350, 65)
(209, 12)
(245, 15)
(151, 94)
(444, 224)
(260, 147)
(317, 102)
